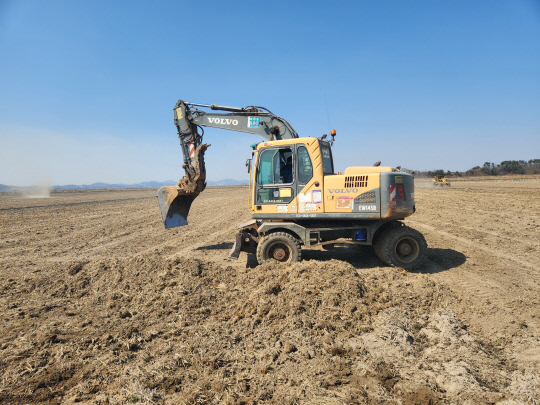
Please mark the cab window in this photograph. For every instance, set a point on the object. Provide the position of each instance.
(328, 166)
(305, 168)
(275, 176)
(275, 167)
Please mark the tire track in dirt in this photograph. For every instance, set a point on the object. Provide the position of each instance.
(505, 264)
(476, 245)
(72, 204)
(131, 227)
(490, 284)
(86, 233)
(206, 226)
(476, 211)
(508, 323)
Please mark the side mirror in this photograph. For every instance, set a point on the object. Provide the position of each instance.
(248, 165)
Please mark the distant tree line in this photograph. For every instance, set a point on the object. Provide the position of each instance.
(492, 169)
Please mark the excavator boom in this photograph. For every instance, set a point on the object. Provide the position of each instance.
(175, 201)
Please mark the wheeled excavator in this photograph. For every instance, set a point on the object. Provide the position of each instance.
(297, 200)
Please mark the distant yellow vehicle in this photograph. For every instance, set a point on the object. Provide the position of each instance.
(440, 181)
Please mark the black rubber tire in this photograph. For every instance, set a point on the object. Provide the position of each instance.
(401, 246)
(280, 246)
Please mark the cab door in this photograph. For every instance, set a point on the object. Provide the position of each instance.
(275, 180)
(309, 191)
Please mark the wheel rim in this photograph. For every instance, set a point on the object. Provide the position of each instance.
(279, 251)
(407, 249)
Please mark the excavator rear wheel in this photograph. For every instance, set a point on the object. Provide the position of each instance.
(279, 246)
(401, 246)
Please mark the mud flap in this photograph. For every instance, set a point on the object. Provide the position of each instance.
(174, 205)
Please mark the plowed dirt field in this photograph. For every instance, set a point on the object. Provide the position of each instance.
(99, 304)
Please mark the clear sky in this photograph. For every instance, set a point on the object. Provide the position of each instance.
(87, 88)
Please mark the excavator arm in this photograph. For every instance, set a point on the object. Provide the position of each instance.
(175, 202)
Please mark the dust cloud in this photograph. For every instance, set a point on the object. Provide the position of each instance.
(423, 183)
(39, 191)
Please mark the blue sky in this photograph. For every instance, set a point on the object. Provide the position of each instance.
(87, 87)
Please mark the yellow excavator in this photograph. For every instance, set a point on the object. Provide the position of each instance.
(297, 199)
(440, 181)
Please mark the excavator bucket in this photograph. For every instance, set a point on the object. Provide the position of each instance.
(175, 205)
(175, 201)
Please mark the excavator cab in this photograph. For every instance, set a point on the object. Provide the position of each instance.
(286, 173)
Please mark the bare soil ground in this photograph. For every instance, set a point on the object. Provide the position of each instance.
(99, 304)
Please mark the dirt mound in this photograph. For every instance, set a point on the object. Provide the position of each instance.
(157, 330)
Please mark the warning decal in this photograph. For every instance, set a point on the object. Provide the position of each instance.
(344, 202)
(284, 192)
(254, 122)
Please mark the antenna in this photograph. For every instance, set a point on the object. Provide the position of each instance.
(327, 112)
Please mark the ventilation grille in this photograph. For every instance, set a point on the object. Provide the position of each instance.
(355, 181)
(368, 197)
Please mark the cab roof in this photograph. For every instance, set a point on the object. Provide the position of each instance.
(293, 141)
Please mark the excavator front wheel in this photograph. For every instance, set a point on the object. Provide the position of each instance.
(279, 246)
